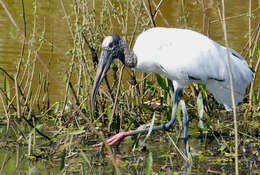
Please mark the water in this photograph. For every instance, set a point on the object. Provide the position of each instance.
(165, 159)
(51, 20)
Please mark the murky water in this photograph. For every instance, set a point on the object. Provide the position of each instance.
(166, 159)
(51, 21)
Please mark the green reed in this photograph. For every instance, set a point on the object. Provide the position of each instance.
(68, 127)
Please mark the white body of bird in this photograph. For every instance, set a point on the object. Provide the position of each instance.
(186, 56)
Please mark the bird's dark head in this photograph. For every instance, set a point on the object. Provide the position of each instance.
(112, 48)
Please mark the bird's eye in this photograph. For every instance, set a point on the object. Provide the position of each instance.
(110, 45)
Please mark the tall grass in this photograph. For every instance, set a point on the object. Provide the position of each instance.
(231, 85)
(68, 127)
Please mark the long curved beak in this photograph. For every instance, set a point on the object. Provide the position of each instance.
(103, 66)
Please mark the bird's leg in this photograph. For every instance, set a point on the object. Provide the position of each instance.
(120, 136)
(116, 138)
(165, 126)
(171, 123)
(185, 122)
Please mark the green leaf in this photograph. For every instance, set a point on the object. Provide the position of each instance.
(109, 113)
(161, 82)
(62, 162)
(130, 122)
(149, 164)
(39, 126)
(255, 98)
(204, 90)
(56, 108)
(258, 51)
(165, 95)
(136, 143)
(7, 87)
(40, 78)
(256, 114)
(79, 131)
(30, 96)
(45, 83)
(179, 114)
(149, 86)
(200, 108)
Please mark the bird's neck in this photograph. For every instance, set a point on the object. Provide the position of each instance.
(130, 59)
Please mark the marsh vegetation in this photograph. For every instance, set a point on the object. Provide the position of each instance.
(47, 67)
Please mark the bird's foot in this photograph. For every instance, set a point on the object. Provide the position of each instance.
(116, 138)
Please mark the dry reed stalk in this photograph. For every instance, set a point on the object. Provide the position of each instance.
(231, 86)
(250, 51)
(85, 117)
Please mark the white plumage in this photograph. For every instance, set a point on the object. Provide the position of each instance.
(180, 54)
(184, 56)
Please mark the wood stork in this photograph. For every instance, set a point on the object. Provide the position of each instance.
(184, 56)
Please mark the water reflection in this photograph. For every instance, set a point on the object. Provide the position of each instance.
(51, 21)
(165, 159)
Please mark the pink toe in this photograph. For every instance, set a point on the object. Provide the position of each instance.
(113, 139)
